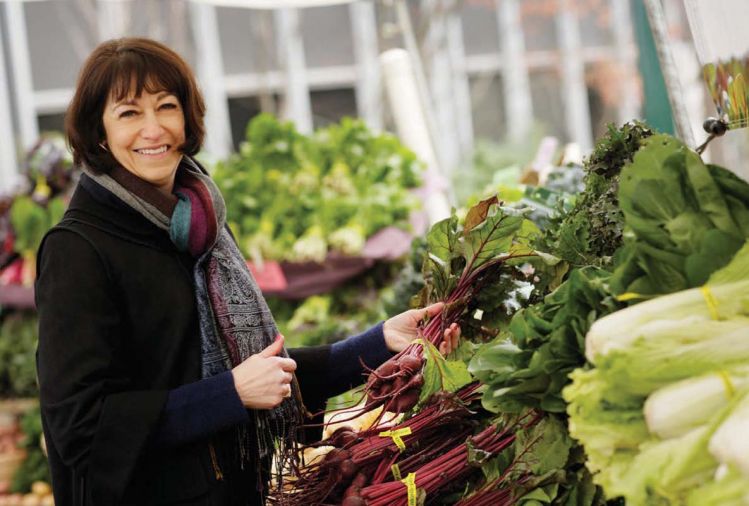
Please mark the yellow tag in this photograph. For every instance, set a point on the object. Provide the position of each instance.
(42, 189)
(396, 472)
(727, 383)
(712, 304)
(396, 435)
(629, 296)
(410, 483)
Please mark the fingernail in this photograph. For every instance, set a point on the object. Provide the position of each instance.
(278, 336)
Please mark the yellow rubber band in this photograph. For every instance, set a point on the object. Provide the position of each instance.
(410, 483)
(727, 384)
(396, 472)
(629, 296)
(396, 435)
(712, 304)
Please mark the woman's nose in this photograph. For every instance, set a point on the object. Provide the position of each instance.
(152, 128)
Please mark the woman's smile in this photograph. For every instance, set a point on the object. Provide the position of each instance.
(145, 134)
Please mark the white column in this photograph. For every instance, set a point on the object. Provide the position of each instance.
(441, 85)
(21, 65)
(516, 84)
(621, 24)
(297, 105)
(210, 69)
(368, 80)
(411, 121)
(113, 17)
(8, 160)
(574, 91)
(460, 86)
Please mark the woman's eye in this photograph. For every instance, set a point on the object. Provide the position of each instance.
(168, 105)
(128, 113)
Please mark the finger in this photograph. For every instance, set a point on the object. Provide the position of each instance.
(434, 309)
(274, 349)
(443, 348)
(287, 390)
(287, 364)
(287, 378)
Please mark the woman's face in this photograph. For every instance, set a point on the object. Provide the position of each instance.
(144, 134)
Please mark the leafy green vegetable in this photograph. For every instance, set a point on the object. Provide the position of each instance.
(687, 219)
(296, 197)
(528, 365)
(591, 231)
(440, 374)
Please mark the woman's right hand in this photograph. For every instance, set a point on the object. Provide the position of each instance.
(264, 380)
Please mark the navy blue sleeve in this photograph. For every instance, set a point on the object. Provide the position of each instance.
(198, 409)
(344, 362)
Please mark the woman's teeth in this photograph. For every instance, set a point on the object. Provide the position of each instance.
(156, 151)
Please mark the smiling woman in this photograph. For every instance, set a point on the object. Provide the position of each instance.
(162, 376)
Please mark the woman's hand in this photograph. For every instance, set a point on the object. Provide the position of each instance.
(264, 380)
(401, 329)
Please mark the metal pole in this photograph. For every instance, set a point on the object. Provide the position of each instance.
(113, 17)
(461, 88)
(629, 105)
(517, 89)
(218, 142)
(575, 93)
(368, 79)
(441, 85)
(298, 107)
(21, 64)
(8, 161)
(657, 19)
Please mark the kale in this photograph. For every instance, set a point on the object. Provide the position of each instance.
(591, 231)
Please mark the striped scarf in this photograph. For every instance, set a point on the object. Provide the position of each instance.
(234, 318)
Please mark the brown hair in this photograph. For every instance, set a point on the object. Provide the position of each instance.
(121, 68)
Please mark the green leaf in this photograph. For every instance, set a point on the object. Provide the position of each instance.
(549, 444)
(709, 196)
(442, 239)
(441, 374)
(492, 237)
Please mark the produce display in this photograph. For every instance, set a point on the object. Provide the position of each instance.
(604, 316)
(297, 198)
(591, 402)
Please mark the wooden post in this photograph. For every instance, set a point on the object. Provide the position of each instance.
(21, 65)
(297, 105)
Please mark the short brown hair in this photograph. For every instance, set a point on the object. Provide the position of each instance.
(119, 68)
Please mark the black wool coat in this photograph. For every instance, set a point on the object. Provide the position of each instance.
(118, 329)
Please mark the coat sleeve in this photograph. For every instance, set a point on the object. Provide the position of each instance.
(98, 422)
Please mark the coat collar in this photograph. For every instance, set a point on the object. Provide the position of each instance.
(98, 207)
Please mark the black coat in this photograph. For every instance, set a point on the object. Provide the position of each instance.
(117, 330)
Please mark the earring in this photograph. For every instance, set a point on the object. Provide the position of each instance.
(103, 146)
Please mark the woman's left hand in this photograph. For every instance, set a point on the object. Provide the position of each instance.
(401, 329)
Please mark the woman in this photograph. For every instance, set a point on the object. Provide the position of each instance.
(162, 377)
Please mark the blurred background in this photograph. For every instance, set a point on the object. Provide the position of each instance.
(496, 73)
